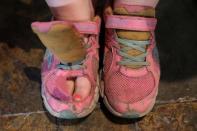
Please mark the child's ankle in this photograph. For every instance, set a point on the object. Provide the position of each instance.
(71, 10)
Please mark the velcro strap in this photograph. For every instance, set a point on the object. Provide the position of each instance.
(130, 23)
(87, 27)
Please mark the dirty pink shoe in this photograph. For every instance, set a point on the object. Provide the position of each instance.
(130, 92)
(55, 74)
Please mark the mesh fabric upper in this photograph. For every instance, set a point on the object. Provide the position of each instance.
(129, 89)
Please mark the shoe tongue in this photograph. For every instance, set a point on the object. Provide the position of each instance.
(134, 35)
(136, 11)
(61, 39)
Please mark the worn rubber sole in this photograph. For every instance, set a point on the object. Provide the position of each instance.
(130, 115)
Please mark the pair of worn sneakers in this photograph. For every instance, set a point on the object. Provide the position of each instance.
(131, 67)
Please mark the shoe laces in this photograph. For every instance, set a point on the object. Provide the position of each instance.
(129, 60)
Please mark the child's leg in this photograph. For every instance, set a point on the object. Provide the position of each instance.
(73, 10)
(148, 3)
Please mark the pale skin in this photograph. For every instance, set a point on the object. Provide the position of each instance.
(76, 10)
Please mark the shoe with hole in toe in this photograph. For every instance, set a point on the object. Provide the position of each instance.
(58, 75)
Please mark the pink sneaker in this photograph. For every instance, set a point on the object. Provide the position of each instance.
(130, 92)
(55, 74)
